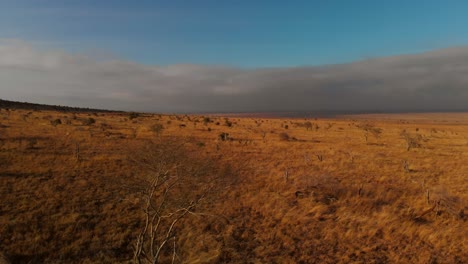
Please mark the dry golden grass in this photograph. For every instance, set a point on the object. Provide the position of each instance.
(323, 194)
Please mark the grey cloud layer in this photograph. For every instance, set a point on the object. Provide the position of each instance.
(431, 81)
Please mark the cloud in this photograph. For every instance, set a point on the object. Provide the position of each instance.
(432, 81)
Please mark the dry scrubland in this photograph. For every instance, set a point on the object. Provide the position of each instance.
(362, 189)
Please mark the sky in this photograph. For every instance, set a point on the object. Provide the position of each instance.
(202, 56)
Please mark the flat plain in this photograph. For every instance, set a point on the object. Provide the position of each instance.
(383, 188)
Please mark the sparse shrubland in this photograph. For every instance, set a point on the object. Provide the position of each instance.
(243, 193)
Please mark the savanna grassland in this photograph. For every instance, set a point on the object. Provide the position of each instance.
(80, 187)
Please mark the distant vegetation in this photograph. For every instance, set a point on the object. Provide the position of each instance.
(119, 187)
(31, 106)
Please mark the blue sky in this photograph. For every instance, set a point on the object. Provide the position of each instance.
(236, 56)
(238, 33)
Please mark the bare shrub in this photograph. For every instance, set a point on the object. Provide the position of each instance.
(370, 129)
(446, 202)
(89, 121)
(320, 157)
(307, 125)
(228, 123)
(206, 120)
(406, 166)
(56, 122)
(157, 129)
(412, 140)
(224, 136)
(174, 185)
(32, 143)
(323, 188)
(4, 258)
